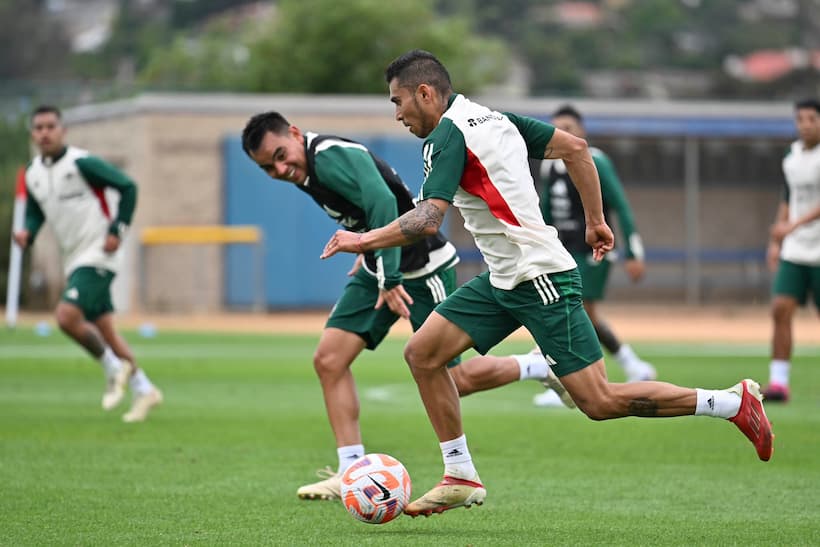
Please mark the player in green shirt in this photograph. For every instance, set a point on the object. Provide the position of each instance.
(66, 185)
(361, 192)
(476, 159)
(561, 206)
(794, 247)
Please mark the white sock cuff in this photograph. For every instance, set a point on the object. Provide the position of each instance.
(706, 402)
(110, 362)
(719, 403)
(779, 372)
(531, 365)
(348, 455)
(455, 450)
(139, 382)
(625, 353)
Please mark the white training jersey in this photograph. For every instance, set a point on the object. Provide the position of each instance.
(477, 159)
(801, 168)
(79, 214)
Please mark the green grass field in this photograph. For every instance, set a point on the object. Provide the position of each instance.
(243, 426)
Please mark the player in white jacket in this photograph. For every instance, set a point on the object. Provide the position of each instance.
(67, 186)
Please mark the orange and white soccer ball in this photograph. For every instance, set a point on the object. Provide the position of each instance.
(375, 488)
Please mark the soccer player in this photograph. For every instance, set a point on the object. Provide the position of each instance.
(561, 206)
(66, 185)
(476, 159)
(794, 247)
(361, 192)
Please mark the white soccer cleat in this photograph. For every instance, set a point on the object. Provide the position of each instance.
(330, 488)
(142, 405)
(448, 494)
(115, 385)
(552, 382)
(554, 385)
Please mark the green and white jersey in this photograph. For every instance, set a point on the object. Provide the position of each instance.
(562, 207)
(476, 159)
(69, 192)
(801, 168)
(361, 192)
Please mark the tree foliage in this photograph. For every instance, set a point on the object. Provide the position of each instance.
(326, 46)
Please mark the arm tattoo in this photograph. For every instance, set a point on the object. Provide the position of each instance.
(414, 222)
(644, 407)
(548, 152)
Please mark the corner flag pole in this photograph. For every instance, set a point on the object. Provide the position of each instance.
(16, 254)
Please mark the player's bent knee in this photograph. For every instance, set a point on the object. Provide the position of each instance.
(326, 363)
(68, 318)
(418, 357)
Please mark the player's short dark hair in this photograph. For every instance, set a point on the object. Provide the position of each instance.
(568, 110)
(808, 103)
(260, 124)
(418, 67)
(47, 109)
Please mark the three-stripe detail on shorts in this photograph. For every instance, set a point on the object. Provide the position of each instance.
(436, 286)
(546, 289)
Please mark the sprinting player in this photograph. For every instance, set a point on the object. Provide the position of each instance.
(361, 192)
(561, 206)
(476, 158)
(794, 247)
(67, 186)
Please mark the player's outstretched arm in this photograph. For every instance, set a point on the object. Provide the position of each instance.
(422, 221)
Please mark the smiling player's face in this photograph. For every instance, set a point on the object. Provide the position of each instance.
(283, 157)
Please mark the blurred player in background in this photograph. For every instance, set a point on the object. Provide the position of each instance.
(476, 159)
(361, 192)
(66, 186)
(561, 206)
(794, 247)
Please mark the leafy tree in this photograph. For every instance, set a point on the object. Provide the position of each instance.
(216, 60)
(326, 46)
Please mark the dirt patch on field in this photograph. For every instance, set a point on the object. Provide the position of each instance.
(632, 323)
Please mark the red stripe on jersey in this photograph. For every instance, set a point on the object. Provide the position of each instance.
(475, 181)
(100, 193)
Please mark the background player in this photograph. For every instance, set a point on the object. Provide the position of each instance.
(67, 186)
(794, 248)
(561, 206)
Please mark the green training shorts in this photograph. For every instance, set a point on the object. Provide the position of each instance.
(549, 307)
(354, 311)
(89, 289)
(594, 275)
(797, 280)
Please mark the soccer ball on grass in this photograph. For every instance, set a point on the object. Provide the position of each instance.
(375, 488)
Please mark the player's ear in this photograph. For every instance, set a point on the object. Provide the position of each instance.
(296, 133)
(425, 92)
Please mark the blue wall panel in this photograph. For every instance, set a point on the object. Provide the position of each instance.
(295, 229)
